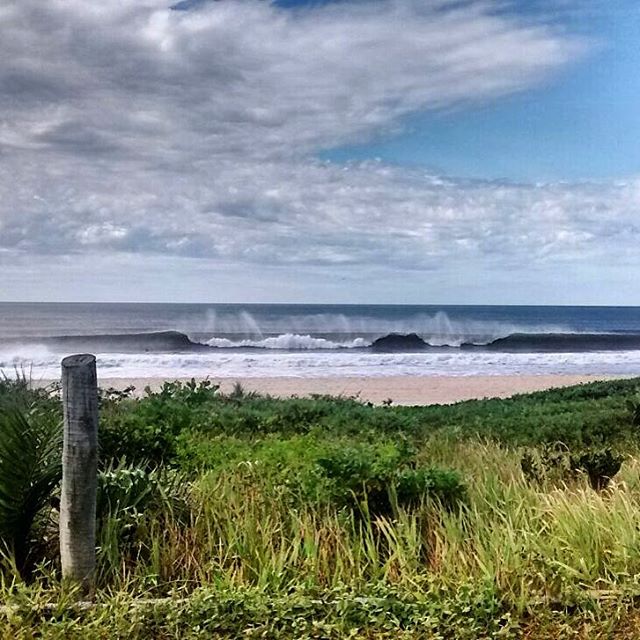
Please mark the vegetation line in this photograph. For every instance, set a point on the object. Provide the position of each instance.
(227, 515)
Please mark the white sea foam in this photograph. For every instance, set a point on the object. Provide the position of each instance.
(20, 355)
(288, 342)
(268, 363)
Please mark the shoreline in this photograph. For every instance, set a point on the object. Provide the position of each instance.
(401, 390)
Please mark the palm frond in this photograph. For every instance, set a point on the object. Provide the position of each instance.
(30, 470)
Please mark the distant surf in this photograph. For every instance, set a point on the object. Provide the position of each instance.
(159, 341)
(522, 342)
(177, 342)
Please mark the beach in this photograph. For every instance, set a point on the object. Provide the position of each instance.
(401, 390)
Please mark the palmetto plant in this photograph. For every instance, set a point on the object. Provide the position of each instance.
(30, 471)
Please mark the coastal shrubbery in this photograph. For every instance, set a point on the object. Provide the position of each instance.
(556, 463)
(30, 471)
(237, 515)
(382, 480)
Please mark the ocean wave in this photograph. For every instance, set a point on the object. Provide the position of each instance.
(521, 342)
(565, 342)
(176, 342)
(288, 342)
(169, 341)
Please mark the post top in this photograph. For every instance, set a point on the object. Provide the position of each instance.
(78, 360)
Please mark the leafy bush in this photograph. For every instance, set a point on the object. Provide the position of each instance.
(550, 462)
(633, 405)
(145, 430)
(443, 485)
(587, 416)
(191, 393)
(383, 478)
(379, 612)
(557, 463)
(599, 465)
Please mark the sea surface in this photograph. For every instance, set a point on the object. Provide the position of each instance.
(239, 340)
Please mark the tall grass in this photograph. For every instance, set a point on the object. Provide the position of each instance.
(514, 548)
(532, 543)
(244, 534)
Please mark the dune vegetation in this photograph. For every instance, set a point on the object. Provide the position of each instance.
(241, 516)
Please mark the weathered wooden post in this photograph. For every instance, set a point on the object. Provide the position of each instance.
(79, 471)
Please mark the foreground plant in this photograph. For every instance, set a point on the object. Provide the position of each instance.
(30, 472)
(326, 518)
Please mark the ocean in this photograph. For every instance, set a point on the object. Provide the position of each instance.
(242, 340)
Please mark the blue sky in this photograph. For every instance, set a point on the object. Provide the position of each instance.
(582, 123)
(400, 151)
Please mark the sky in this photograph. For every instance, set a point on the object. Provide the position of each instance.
(367, 151)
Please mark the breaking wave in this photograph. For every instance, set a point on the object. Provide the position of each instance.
(288, 342)
(515, 342)
(177, 342)
(523, 342)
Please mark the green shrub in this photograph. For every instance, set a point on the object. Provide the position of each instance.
(385, 477)
(587, 416)
(600, 466)
(633, 405)
(191, 393)
(443, 485)
(548, 462)
(557, 463)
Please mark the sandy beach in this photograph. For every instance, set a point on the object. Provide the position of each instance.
(402, 390)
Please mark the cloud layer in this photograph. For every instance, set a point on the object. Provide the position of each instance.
(131, 128)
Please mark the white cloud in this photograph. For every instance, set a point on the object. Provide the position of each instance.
(322, 213)
(129, 128)
(244, 77)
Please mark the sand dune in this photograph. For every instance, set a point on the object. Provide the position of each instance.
(404, 390)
